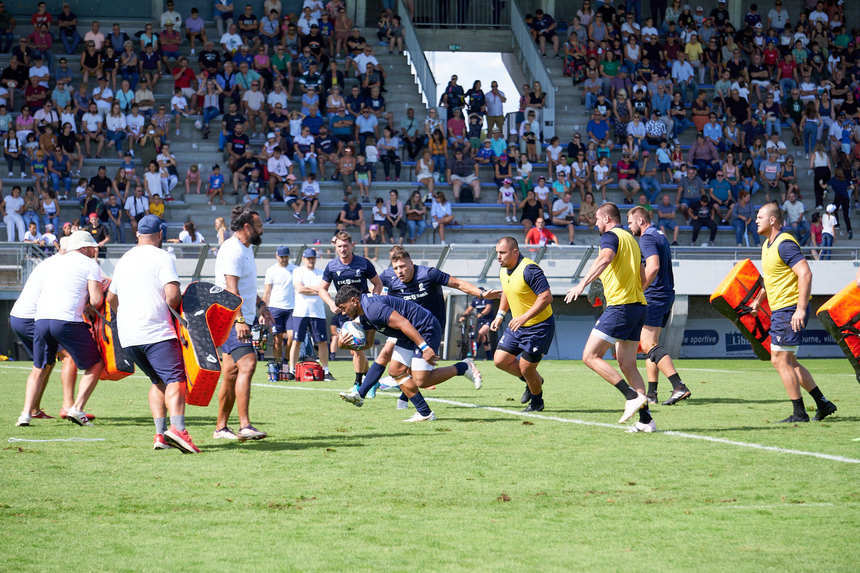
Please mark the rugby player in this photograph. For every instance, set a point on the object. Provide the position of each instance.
(348, 269)
(70, 283)
(418, 335)
(279, 297)
(659, 288)
(525, 291)
(144, 288)
(619, 266)
(788, 286)
(423, 286)
(309, 312)
(482, 308)
(236, 271)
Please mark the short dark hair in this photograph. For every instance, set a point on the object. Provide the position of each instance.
(398, 253)
(511, 241)
(346, 294)
(240, 216)
(611, 211)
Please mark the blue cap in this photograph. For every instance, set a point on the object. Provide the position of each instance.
(150, 224)
(283, 251)
(310, 253)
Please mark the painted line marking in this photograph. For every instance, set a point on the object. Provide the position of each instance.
(751, 445)
(13, 440)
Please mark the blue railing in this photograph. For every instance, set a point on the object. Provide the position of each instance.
(535, 67)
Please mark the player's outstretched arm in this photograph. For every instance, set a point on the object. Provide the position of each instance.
(604, 258)
(468, 288)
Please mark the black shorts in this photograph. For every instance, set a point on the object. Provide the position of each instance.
(657, 312)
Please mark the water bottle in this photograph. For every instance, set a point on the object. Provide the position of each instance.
(274, 372)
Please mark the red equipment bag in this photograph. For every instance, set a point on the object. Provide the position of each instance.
(840, 316)
(117, 364)
(732, 299)
(309, 371)
(206, 317)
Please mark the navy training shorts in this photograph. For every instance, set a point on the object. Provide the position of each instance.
(621, 322)
(161, 361)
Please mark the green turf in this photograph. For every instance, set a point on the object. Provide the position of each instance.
(341, 488)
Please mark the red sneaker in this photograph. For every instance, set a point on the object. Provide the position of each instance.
(63, 416)
(41, 415)
(181, 440)
(159, 443)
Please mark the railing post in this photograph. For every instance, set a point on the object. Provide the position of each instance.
(201, 260)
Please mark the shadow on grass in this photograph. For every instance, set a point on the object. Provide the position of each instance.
(480, 420)
(694, 401)
(305, 442)
(775, 426)
(147, 420)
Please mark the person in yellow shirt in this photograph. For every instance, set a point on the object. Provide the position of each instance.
(787, 285)
(156, 206)
(694, 50)
(525, 291)
(619, 266)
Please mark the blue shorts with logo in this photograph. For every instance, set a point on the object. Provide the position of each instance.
(533, 341)
(161, 361)
(622, 321)
(658, 311)
(781, 333)
(316, 326)
(24, 329)
(74, 337)
(282, 320)
(237, 348)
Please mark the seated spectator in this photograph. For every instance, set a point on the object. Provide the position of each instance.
(666, 218)
(416, 214)
(742, 215)
(795, 220)
(351, 215)
(769, 170)
(441, 215)
(690, 190)
(530, 210)
(720, 193)
(540, 235)
(563, 214)
(193, 179)
(588, 211)
(195, 29)
(254, 193)
(464, 170)
(703, 216)
(627, 172)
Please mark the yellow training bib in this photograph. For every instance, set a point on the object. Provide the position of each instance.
(622, 283)
(519, 294)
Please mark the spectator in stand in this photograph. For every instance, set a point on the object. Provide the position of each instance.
(742, 215)
(540, 235)
(441, 215)
(530, 210)
(416, 214)
(195, 29)
(795, 219)
(703, 216)
(627, 170)
(563, 214)
(351, 215)
(690, 190)
(464, 170)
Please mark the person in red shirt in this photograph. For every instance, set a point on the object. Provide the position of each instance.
(42, 16)
(183, 77)
(35, 94)
(627, 182)
(540, 235)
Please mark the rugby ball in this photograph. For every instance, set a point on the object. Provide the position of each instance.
(356, 333)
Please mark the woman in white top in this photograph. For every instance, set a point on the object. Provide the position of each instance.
(152, 180)
(334, 103)
(441, 215)
(424, 171)
(189, 235)
(116, 126)
(11, 207)
(432, 123)
(13, 151)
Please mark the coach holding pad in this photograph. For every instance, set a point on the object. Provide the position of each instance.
(70, 283)
(236, 271)
(144, 288)
(619, 266)
(525, 291)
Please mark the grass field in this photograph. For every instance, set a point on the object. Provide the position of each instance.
(482, 489)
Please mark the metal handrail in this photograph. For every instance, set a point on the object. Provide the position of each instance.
(535, 67)
(426, 81)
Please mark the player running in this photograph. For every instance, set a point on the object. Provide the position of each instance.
(483, 310)
(659, 288)
(348, 269)
(619, 266)
(418, 336)
(525, 291)
(279, 297)
(788, 285)
(70, 283)
(422, 285)
(309, 313)
(144, 288)
(236, 272)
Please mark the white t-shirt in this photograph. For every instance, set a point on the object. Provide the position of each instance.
(185, 237)
(67, 291)
(277, 98)
(178, 102)
(828, 224)
(237, 260)
(793, 210)
(310, 305)
(254, 99)
(363, 59)
(231, 41)
(280, 166)
(13, 204)
(136, 205)
(281, 279)
(152, 182)
(91, 122)
(25, 306)
(309, 189)
(507, 193)
(139, 279)
(541, 192)
(558, 205)
(601, 172)
(135, 123)
(115, 123)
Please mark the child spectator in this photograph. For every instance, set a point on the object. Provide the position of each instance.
(363, 177)
(507, 197)
(178, 107)
(192, 178)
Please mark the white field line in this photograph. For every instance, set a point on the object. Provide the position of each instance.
(687, 435)
(13, 440)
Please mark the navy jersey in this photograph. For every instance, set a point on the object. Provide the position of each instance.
(425, 288)
(653, 242)
(356, 273)
(480, 304)
(378, 308)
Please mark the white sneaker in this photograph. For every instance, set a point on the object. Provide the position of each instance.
(390, 384)
(352, 397)
(224, 433)
(23, 420)
(77, 417)
(640, 427)
(402, 404)
(251, 433)
(632, 406)
(473, 374)
(416, 417)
